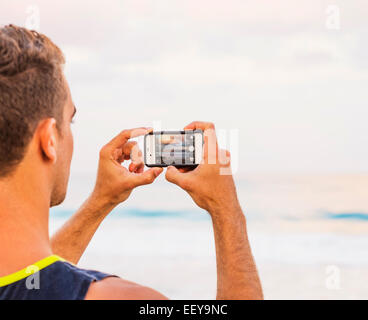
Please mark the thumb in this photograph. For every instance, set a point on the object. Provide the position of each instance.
(173, 175)
(146, 177)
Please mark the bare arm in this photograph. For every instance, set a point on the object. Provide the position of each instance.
(237, 276)
(120, 289)
(114, 184)
(212, 188)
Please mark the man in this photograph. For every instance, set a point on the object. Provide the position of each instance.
(36, 146)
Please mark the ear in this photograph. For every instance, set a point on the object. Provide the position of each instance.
(47, 133)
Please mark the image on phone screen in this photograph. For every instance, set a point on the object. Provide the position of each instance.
(174, 148)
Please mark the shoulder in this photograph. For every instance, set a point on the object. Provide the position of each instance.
(113, 288)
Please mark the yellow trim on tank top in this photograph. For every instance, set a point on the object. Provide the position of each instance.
(28, 271)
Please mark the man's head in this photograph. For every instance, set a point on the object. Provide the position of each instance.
(35, 108)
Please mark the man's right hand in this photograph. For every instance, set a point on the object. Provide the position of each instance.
(212, 187)
(211, 184)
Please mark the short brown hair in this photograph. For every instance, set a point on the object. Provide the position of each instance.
(31, 89)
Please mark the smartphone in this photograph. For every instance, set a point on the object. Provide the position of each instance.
(173, 148)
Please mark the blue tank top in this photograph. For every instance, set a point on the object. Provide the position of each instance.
(51, 278)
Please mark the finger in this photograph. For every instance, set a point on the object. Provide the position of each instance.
(140, 169)
(224, 157)
(146, 177)
(126, 151)
(183, 170)
(133, 152)
(210, 139)
(200, 125)
(128, 147)
(173, 175)
(136, 167)
(210, 146)
(125, 135)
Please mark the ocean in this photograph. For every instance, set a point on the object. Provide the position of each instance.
(309, 235)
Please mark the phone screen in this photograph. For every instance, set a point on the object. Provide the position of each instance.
(175, 148)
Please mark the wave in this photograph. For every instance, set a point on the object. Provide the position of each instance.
(140, 213)
(201, 215)
(144, 213)
(361, 216)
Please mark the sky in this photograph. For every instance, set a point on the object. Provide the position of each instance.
(287, 78)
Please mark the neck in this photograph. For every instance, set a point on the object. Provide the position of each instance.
(24, 219)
